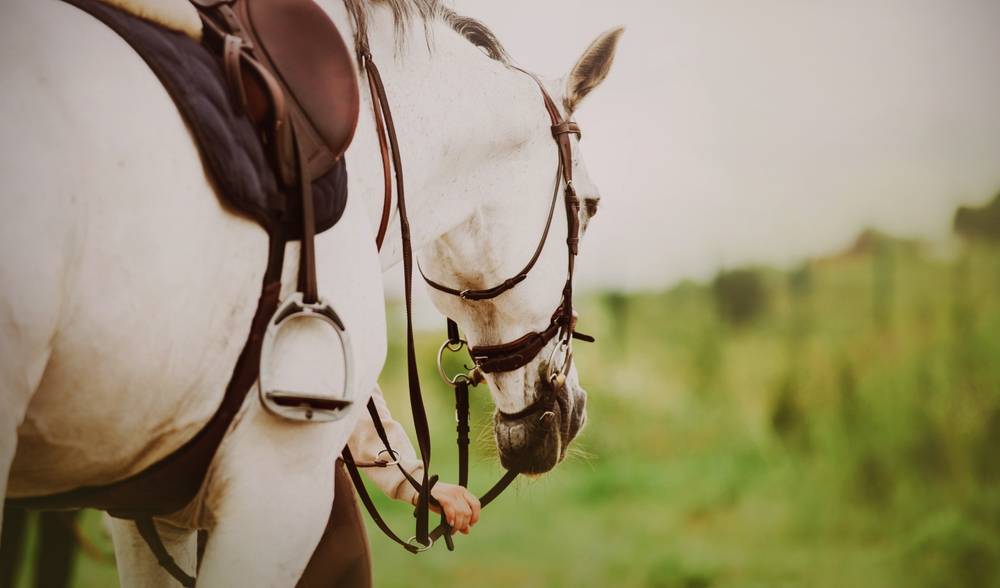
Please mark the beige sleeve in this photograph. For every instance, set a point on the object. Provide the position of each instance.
(365, 446)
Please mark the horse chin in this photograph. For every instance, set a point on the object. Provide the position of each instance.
(535, 443)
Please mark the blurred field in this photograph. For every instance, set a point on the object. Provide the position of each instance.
(844, 430)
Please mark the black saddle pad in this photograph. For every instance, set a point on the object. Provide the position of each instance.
(229, 146)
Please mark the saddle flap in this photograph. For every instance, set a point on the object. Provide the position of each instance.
(310, 57)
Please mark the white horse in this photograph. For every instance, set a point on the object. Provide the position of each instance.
(127, 290)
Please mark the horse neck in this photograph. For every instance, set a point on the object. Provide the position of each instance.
(466, 126)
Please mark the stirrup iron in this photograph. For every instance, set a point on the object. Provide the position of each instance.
(299, 406)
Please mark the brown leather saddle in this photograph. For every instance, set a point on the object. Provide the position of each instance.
(291, 71)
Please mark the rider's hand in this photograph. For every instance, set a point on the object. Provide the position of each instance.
(461, 508)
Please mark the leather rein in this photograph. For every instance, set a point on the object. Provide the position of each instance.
(501, 357)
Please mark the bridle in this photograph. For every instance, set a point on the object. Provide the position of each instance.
(497, 358)
(515, 354)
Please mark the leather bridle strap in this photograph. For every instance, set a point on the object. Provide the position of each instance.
(421, 427)
(462, 431)
(561, 129)
(515, 354)
(424, 537)
(510, 356)
(383, 145)
(490, 293)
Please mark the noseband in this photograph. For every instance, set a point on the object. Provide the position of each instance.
(515, 354)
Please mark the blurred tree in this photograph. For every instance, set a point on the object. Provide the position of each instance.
(883, 273)
(740, 295)
(982, 222)
(788, 420)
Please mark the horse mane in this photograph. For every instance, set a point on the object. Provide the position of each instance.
(405, 12)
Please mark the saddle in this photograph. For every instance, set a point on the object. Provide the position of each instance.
(290, 71)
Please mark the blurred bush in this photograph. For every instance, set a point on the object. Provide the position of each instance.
(982, 222)
(740, 295)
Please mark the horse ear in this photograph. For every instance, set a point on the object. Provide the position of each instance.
(592, 67)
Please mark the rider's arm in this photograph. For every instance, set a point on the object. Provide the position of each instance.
(365, 446)
(461, 508)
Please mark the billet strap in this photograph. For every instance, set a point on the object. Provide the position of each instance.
(147, 530)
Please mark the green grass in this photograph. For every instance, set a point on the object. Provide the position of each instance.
(847, 436)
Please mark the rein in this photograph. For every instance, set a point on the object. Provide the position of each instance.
(502, 357)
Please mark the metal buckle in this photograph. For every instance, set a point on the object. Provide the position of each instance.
(296, 406)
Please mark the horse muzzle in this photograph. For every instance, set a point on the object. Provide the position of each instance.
(534, 440)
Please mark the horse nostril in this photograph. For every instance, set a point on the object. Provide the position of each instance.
(516, 436)
(547, 416)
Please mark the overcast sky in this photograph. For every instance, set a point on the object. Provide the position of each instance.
(735, 131)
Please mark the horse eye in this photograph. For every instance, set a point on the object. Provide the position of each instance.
(590, 206)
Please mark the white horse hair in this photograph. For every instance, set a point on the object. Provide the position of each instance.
(127, 290)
